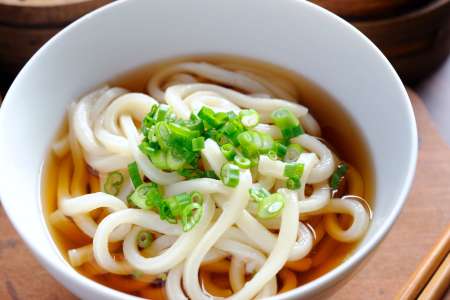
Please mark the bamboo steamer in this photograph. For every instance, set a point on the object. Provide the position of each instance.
(416, 42)
(368, 8)
(25, 25)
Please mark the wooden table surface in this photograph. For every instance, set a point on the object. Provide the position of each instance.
(424, 217)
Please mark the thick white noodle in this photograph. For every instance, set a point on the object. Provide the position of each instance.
(237, 273)
(212, 100)
(201, 185)
(176, 94)
(147, 219)
(213, 156)
(82, 123)
(237, 202)
(280, 253)
(174, 291)
(326, 165)
(346, 206)
(82, 205)
(204, 70)
(175, 254)
(79, 256)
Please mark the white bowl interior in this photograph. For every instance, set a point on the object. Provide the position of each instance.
(127, 34)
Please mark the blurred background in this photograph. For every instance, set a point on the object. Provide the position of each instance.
(413, 34)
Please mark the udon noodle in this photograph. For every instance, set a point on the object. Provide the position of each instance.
(231, 250)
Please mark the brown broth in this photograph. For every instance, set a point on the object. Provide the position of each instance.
(338, 129)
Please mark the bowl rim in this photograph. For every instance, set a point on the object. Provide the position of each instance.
(330, 278)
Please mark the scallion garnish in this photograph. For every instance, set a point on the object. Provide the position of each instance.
(230, 174)
(140, 197)
(177, 203)
(133, 171)
(249, 117)
(293, 152)
(242, 162)
(191, 215)
(174, 160)
(271, 206)
(228, 151)
(258, 193)
(210, 118)
(279, 149)
(113, 183)
(144, 239)
(286, 121)
(292, 170)
(211, 174)
(198, 144)
(337, 175)
(191, 173)
(293, 183)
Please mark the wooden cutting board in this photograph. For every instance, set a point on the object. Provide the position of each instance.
(424, 217)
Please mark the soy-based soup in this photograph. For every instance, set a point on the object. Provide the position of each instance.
(190, 199)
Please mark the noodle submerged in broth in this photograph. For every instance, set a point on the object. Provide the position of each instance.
(213, 181)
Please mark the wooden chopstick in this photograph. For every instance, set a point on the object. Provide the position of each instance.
(438, 283)
(419, 282)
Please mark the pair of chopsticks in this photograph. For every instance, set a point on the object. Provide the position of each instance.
(432, 277)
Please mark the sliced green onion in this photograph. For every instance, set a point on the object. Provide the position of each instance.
(113, 183)
(141, 195)
(291, 132)
(272, 155)
(230, 174)
(165, 213)
(280, 149)
(255, 142)
(293, 170)
(191, 215)
(196, 197)
(287, 122)
(249, 117)
(162, 133)
(198, 144)
(144, 239)
(242, 162)
(210, 118)
(211, 174)
(293, 152)
(133, 171)
(284, 118)
(181, 133)
(191, 173)
(271, 206)
(162, 113)
(174, 161)
(258, 193)
(293, 183)
(249, 142)
(266, 142)
(159, 159)
(228, 151)
(337, 175)
(232, 129)
(177, 203)
(147, 148)
(232, 115)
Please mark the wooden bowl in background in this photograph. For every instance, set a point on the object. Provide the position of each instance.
(25, 25)
(417, 42)
(368, 8)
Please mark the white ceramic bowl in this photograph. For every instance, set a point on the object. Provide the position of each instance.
(127, 34)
